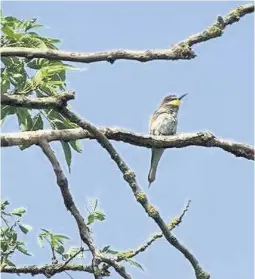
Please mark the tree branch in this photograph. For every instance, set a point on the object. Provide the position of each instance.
(109, 56)
(173, 224)
(204, 139)
(118, 268)
(18, 100)
(129, 177)
(50, 270)
(216, 30)
(181, 50)
(70, 205)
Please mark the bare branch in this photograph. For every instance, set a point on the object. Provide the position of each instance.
(49, 269)
(37, 103)
(129, 177)
(70, 205)
(216, 30)
(109, 56)
(181, 50)
(204, 139)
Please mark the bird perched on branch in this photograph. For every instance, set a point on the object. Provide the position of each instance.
(163, 122)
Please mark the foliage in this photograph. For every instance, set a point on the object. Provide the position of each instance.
(38, 77)
(11, 224)
(56, 242)
(95, 214)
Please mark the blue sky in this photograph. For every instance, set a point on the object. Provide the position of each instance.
(218, 228)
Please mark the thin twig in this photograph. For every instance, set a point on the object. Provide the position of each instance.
(216, 30)
(132, 253)
(73, 256)
(204, 139)
(173, 224)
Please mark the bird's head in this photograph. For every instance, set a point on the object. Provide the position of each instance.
(172, 101)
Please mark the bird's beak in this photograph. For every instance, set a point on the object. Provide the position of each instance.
(182, 96)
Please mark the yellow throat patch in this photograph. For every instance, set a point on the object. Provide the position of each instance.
(175, 103)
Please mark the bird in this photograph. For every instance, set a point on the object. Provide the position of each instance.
(164, 122)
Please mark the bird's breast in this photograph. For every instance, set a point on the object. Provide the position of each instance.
(165, 124)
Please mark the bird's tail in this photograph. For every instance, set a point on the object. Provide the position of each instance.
(156, 154)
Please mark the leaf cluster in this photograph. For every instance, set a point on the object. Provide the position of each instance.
(36, 77)
(9, 235)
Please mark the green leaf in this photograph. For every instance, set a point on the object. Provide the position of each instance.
(5, 111)
(91, 219)
(38, 63)
(99, 216)
(10, 61)
(36, 26)
(48, 90)
(50, 42)
(9, 32)
(60, 249)
(40, 240)
(30, 40)
(134, 263)
(18, 211)
(29, 24)
(4, 245)
(58, 121)
(10, 263)
(24, 118)
(105, 249)
(14, 71)
(5, 81)
(11, 21)
(25, 228)
(12, 235)
(68, 154)
(75, 144)
(95, 205)
(61, 236)
(23, 250)
(48, 232)
(37, 122)
(4, 204)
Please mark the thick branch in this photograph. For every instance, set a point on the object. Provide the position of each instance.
(109, 56)
(140, 196)
(181, 50)
(204, 139)
(49, 270)
(118, 268)
(18, 100)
